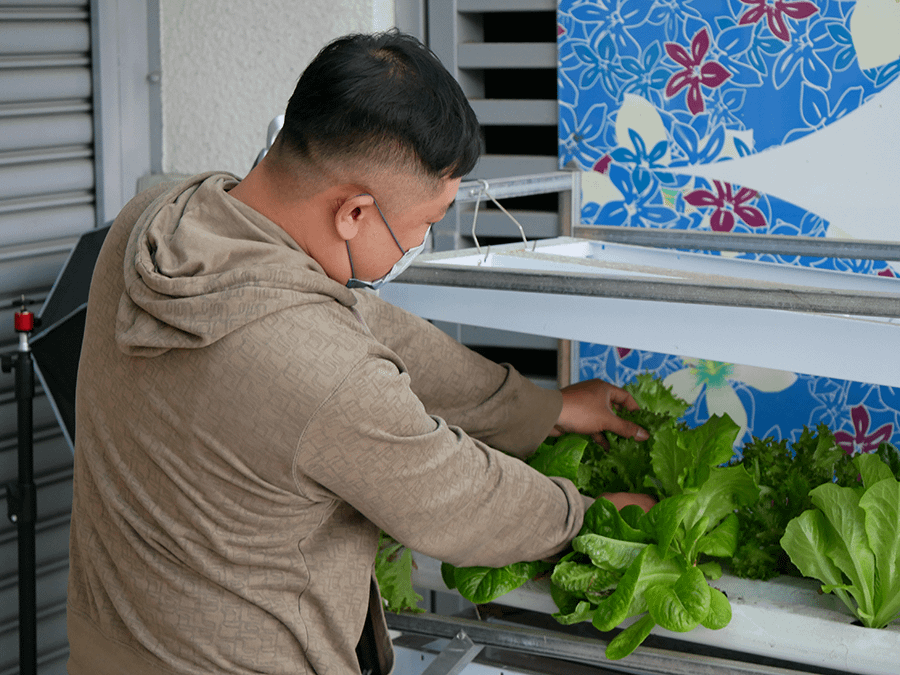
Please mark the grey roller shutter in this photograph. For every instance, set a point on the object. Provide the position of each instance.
(47, 180)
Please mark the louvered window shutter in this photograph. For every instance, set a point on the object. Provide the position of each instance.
(47, 178)
(503, 53)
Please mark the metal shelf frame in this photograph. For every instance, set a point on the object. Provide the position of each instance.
(771, 244)
(589, 651)
(714, 307)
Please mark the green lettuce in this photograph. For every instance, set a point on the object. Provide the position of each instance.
(564, 457)
(785, 473)
(626, 564)
(655, 566)
(480, 585)
(393, 569)
(850, 541)
(624, 465)
(652, 394)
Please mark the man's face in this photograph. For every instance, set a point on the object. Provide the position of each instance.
(374, 250)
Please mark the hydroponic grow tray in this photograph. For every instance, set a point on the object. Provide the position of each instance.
(785, 618)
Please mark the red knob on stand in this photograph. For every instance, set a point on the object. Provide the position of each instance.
(24, 321)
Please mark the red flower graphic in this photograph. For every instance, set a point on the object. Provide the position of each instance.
(775, 14)
(861, 439)
(695, 73)
(602, 165)
(722, 218)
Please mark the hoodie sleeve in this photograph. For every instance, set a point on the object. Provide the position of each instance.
(430, 485)
(491, 402)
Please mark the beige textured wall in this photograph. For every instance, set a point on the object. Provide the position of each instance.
(228, 68)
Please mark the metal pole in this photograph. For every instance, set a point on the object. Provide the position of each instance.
(22, 496)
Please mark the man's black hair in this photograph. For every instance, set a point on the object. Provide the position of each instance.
(384, 94)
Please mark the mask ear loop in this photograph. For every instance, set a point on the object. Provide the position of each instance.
(484, 191)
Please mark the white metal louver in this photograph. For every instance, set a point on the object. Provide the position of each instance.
(503, 54)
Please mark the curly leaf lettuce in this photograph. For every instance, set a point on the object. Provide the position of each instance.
(393, 569)
(651, 394)
(785, 473)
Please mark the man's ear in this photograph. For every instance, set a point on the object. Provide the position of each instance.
(350, 213)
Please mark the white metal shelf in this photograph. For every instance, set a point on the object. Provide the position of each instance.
(819, 322)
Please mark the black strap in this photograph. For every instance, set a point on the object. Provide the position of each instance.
(366, 650)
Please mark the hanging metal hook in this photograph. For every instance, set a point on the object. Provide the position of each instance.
(482, 191)
(485, 187)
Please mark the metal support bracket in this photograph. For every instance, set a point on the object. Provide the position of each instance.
(455, 656)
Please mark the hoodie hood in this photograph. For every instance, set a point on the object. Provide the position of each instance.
(200, 264)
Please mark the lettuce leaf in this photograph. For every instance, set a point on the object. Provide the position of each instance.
(393, 569)
(563, 458)
(629, 639)
(680, 606)
(786, 473)
(652, 394)
(481, 585)
(585, 580)
(881, 504)
(682, 458)
(851, 542)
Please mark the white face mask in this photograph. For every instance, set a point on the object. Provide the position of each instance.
(398, 267)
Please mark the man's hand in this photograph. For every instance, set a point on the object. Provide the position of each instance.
(623, 499)
(589, 407)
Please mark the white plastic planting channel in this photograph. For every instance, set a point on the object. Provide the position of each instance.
(785, 618)
(819, 322)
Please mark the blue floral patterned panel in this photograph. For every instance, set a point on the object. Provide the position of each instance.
(652, 93)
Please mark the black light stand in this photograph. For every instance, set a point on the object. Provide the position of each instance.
(22, 495)
(50, 356)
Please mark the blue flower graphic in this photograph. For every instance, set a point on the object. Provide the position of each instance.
(694, 148)
(578, 139)
(616, 18)
(643, 161)
(884, 74)
(803, 51)
(643, 76)
(817, 112)
(598, 57)
(763, 44)
(633, 209)
(671, 14)
(847, 52)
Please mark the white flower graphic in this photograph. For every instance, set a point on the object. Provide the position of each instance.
(715, 378)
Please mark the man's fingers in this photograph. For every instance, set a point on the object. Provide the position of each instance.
(630, 403)
(627, 429)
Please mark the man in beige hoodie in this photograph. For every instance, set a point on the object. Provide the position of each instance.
(247, 420)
